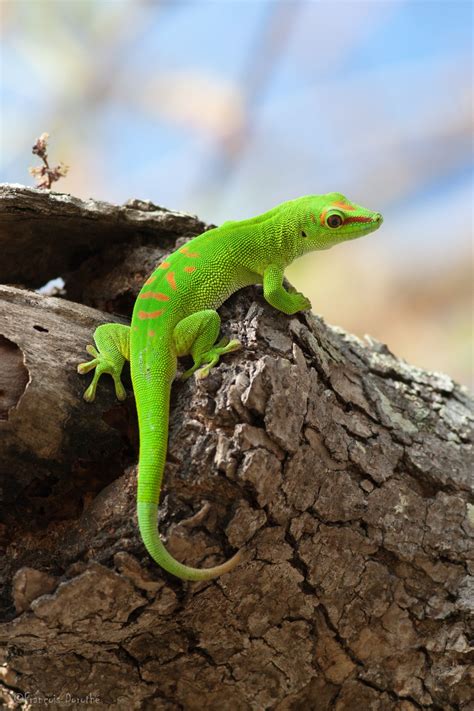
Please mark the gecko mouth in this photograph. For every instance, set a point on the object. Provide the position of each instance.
(362, 225)
(350, 220)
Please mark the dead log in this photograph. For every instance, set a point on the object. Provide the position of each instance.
(343, 472)
(44, 234)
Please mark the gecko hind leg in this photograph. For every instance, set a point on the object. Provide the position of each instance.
(113, 349)
(196, 335)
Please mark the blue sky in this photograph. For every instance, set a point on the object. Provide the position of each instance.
(369, 98)
(225, 109)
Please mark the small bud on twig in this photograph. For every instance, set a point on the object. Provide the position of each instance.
(44, 175)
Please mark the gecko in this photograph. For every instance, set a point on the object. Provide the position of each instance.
(175, 315)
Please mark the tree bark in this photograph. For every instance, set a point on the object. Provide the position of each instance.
(343, 472)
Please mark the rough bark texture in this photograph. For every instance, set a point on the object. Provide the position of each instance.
(342, 471)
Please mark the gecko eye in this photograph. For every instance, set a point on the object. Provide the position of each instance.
(334, 221)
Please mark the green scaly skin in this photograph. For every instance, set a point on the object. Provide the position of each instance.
(175, 315)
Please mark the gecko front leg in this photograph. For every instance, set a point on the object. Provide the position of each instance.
(276, 294)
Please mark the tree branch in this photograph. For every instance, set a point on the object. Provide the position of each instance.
(342, 471)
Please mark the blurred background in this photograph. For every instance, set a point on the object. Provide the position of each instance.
(227, 108)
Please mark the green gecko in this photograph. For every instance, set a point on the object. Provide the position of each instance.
(175, 315)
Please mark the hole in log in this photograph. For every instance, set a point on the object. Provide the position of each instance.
(13, 376)
(41, 328)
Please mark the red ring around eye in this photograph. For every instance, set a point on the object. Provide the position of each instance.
(334, 221)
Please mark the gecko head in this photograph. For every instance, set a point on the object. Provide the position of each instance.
(332, 218)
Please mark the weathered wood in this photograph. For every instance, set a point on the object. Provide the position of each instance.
(343, 472)
(45, 234)
(44, 426)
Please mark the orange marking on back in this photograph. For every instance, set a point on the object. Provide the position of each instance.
(187, 253)
(163, 265)
(154, 295)
(150, 280)
(151, 334)
(343, 206)
(190, 270)
(171, 280)
(153, 314)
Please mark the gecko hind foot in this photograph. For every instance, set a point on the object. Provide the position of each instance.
(113, 349)
(211, 358)
(102, 364)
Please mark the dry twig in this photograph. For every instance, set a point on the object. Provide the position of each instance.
(44, 175)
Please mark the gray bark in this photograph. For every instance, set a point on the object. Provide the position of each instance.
(343, 472)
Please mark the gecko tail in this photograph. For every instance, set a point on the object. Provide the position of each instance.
(152, 396)
(147, 521)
